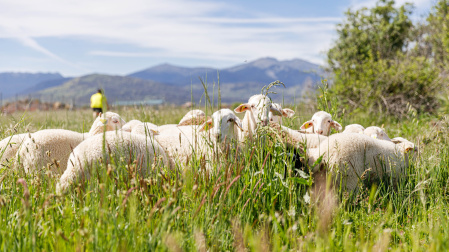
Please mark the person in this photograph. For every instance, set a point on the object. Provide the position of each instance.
(98, 101)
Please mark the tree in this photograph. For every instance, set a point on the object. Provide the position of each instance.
(373, 69)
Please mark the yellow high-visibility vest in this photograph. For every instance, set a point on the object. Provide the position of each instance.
(97, 100)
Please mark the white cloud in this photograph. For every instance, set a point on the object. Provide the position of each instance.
(172, 29)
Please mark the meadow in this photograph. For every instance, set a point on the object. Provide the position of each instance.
(254, 202)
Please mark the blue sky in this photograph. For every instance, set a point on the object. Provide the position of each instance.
(78, 37)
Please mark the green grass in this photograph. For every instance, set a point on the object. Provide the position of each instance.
(252, 202)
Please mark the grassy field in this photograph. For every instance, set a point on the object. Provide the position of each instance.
(253, 202)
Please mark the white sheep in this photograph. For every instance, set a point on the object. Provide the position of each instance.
(285, 113)
(185, 141)
(321, 124)
(257, 112)
(354, 128)
(121, 145)
(145, 129)
(53, 146)
(108, 121)
(309, 140)
(352, 157)
(193, 117)
(50, 146)
(9, 147)
(376, 133)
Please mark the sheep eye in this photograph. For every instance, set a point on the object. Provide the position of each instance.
(329, 121)
(230, 120)
(253, 106)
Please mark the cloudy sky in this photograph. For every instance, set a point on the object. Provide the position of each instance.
(77, 37)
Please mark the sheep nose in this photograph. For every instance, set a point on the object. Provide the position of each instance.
(265, 122)
(319, 132)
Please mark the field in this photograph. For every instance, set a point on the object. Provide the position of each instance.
(254, 202)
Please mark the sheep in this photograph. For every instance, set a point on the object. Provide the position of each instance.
(321, 124)
(184, 141)
(354, 128)
(376, 133)
(9, 147)
(257, 111)
(145, 128)
(108, 121)
(193, 117)
(285, 113)
(309, 140)
(50, 146)
(350, 157)
(123, 144)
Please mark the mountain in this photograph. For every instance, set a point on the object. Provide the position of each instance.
(16, 83)
(243, 80)
(46, 84)
(117, 88)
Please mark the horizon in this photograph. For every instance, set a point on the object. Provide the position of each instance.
(117, 38)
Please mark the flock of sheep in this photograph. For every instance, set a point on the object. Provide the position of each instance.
(349, 155)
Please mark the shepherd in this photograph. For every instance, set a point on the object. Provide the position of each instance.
(98, 101)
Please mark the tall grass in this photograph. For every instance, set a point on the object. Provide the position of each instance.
(254, 201)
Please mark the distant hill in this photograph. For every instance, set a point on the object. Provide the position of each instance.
(240, 81)
(176, 84)
(16, 83)
(117, 88)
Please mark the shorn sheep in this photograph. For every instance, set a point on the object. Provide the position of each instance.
(350, 158)
(321, 123)
(121, 146)
(257, 112)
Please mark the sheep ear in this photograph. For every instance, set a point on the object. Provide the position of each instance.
(275, 111)
(242, 108)
(206, 126)
(336, 125)
(396, 141)
(288, 113)
(306, 125)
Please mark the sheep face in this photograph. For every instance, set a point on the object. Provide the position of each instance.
(405, 145)
(285, 113)
(226, 126)
(354, 128)
(260, 106)
(376, 133)
(108, 121)
(321, 124)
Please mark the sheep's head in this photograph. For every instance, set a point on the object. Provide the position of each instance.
(130, 125)
(354, 128)
(285, 113)
(108, 121)
(225, 125)
(376, 133)
(322, 123)
(260, 106)
(405, 145)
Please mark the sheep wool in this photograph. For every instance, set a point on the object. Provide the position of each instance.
(351, 157)
(119, 145)
(9, 147)
(48, 148)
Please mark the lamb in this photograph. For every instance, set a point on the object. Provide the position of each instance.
(354, 128)
(9, 147)
(285, 113)
(376, 133)
(321, 124)
(50, 146)
(257, 112)
(350, 157)
(193, 117)
(121, 145)
(108, 121)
